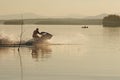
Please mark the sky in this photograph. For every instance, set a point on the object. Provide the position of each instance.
(59, 7)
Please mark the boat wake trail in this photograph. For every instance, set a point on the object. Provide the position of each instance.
(5, 39)
(10, 40)
(69, 39)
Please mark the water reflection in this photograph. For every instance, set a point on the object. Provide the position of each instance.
(112, 31)
(5, 51)
(111, 34)
(41, 51)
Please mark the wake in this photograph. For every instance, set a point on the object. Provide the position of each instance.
(5, 39)
(11, 41)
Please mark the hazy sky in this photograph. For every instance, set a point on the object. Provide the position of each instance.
(59, 7)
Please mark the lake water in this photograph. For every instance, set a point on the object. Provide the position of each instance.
(75, 54)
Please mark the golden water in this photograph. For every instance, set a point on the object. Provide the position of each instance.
(75, 54)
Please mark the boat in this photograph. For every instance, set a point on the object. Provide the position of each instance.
(84, 26)
(45, 36)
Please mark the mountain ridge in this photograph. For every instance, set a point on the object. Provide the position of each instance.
(35, 16)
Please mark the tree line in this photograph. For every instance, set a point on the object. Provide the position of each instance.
(111, 21)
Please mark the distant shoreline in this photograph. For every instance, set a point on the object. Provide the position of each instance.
(53, 21)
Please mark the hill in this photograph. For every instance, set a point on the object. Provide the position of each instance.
(30, 18)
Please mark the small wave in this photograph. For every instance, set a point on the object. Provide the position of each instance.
(6, 39)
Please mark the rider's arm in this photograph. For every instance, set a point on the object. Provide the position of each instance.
(39, 32)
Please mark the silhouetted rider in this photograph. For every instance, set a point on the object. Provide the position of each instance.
(36, 34)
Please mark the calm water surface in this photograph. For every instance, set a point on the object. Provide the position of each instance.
(75, 54)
